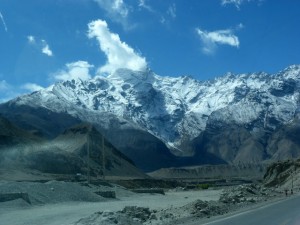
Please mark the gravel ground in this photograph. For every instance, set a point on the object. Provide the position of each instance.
(66, 203)
(230, 200)
(51, 192)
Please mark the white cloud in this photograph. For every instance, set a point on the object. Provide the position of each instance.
(167, 17)
(210, 40)
(74, 70)
(5, 99)
(32, 87)
(172, 11)
(46, 49)
(41, 45)
(240, 26)
(117, 10)
(118, 53)
(164, 17)
(163, 20)
(7, 92)
(31, 39)
(238, 3)
(3, 22)
(143, 4)
(3, 85)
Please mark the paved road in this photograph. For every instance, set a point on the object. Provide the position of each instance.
(286, 212)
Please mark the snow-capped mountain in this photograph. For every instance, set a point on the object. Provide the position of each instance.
(177, 110)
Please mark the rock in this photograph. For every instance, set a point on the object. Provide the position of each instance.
(153, 217)
(107, 218)
(140, 213)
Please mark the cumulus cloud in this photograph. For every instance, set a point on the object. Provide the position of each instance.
(3, 22)
(47, 51)
(210, 40)
(117, 10)
(237, 3)
(118, 53)
(32, 87)
(74, 70)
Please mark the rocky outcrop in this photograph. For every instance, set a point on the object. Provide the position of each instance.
(283, 174)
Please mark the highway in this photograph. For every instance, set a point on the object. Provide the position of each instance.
(285, 212)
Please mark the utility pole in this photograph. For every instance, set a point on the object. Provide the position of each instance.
(292, 180)
(103, 158)
(88, 160)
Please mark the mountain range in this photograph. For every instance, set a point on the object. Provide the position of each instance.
(159, 121)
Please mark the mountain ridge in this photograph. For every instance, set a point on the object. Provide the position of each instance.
(179, 111)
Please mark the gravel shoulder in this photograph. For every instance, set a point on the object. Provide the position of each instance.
(58, 202)
(68, 203)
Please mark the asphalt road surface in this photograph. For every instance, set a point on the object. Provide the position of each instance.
(286, 212)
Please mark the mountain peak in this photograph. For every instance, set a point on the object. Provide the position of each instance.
(292, 67)
(292, 72)
(132, 76)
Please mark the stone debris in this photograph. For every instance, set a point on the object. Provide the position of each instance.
(108, 218)
(141, 214)
(231, 199)
(130, 215)
(247, 193)
(208, 208)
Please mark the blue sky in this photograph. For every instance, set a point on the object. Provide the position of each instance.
(42, 42)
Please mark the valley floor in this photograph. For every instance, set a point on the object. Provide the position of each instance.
(70, 203)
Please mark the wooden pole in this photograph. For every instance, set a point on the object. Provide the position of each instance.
(292, 181)
(88, 161)
(103, 158)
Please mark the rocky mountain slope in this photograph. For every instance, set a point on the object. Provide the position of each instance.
(13, 135)
(242, 171)
(283, 174)
(74, 151)
(232, 119)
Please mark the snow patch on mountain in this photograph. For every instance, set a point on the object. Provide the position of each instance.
(177, 108)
